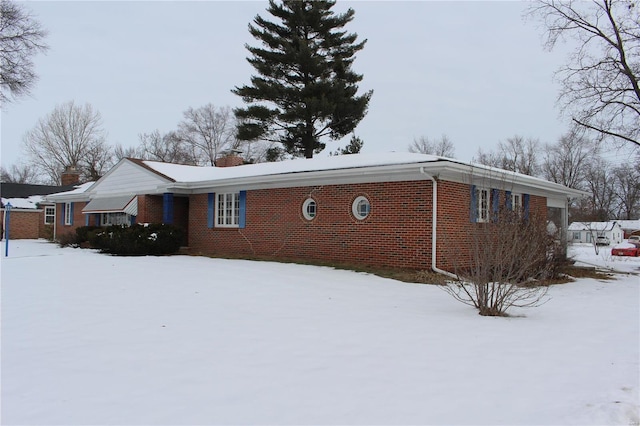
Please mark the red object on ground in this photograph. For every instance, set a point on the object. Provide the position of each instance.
(626, 251)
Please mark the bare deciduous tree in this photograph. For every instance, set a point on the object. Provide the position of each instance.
(71, 135)
(23, 173)
(517, 154)
(627, 190)
(508, 255)
(21, 37)
(209, 131)
(169, 148)
(600, 88)
(566, 161)
(120, 152)
(599, 182)
(442, 147)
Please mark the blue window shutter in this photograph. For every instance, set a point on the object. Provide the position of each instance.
(167, 208)
(86, 219)
(71, 214)
(96, 216)
(495, 199)
(62, 213)
(473, 208)
(242, 220)
(525, 205)
(133, 220)
(508, 202)
(210, 205)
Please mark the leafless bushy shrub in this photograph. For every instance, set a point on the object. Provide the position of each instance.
(508, 257)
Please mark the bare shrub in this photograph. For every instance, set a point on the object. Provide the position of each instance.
(68, 239)
(509, 255)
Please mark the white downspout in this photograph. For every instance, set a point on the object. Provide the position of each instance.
(434, 227)
(55, 223)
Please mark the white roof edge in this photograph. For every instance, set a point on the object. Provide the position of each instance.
(80, 193)
(437, 167)
(304, 172)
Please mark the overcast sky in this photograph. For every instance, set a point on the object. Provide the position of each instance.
(475, 71)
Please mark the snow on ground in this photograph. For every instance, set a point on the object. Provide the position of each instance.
(585, 255)
(95, 339)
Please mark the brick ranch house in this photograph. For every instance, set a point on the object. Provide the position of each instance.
(386, 210)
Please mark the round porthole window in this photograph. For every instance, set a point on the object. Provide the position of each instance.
(361, 208)
(309, 208)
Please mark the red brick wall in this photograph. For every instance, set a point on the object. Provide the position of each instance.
(79, 219)
(181, 214)
(24, 224)
(397, 232)
(455, 226)
(149, 209)
(394, 234)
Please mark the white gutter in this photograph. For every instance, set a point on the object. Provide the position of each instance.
(434, 227)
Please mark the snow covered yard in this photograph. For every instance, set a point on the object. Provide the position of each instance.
(94, 339)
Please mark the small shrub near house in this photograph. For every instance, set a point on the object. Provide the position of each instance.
(68, 239)
(135, 240)
(84, 233)
(511, 257)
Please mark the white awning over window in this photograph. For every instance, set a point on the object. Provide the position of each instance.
(125, 204)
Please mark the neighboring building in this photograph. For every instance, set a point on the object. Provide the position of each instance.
(394, 210)
(587, 232)
(31, 216)
(629, 227)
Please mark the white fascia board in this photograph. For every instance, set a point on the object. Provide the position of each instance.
(444, 170)
(68, 198)
(503, 179)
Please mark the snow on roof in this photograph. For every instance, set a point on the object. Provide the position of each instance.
(23, 203)
(629, 224)
(183, 173)
(592, 226)
(79, 189)
(74, 194)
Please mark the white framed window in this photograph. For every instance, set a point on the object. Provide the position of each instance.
(49, 215)
(228, 210)
(483, 197)
(115, 218)
(309, 209)
(68, 214)
(516, 202)
(361, 208)
(576, 235)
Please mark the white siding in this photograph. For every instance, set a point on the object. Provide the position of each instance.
(128, 178)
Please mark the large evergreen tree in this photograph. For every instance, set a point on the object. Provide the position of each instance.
(305, 88)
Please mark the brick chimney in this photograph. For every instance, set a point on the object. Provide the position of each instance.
(70, 176)
(230, 159)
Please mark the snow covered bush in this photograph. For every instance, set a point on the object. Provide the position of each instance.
(509, 257)
(136, 240)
